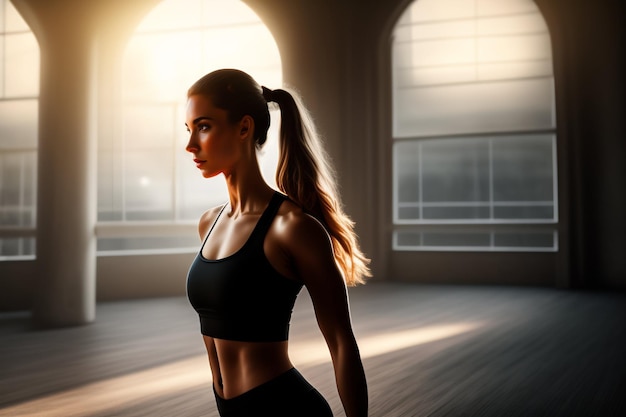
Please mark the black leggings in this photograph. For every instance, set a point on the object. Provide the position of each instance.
(287, 395)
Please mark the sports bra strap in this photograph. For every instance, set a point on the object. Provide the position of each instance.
(264, 223)
(213, 226)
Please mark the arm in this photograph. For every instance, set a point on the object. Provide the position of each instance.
(310, 250)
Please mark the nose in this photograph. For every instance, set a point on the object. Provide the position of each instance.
(192, 146)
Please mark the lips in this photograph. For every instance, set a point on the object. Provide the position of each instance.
(199, 162)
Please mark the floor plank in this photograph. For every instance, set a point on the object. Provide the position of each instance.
(427, 350)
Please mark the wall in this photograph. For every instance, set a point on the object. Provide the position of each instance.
(119, 277)
(588, 45)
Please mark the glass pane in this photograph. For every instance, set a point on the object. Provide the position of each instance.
(21, 53)
(19, 79)
(419, 76)
(409, 213)
(258, 45)
(411, 239)
(16, 247)
(525, 239)
(150, 126)
(28, 216)
(523, 168)
(456, 239)
(487, 239)
(447, 55)
(442, 29)
(474, 108)
(17, 188)
(406, 166)
(169, 15)
(159, 67)
(10, 180)
(18, 124)
(428, 10)
(408, 239)
(477, 178)
(506, 70)
(511, 24)
(17, 217)
(457, 212)
(9, 217)
(442, 52)
(148, 184)
(29, 183)
(110, 192)
(528, 47)
(455, 170)
(524, 212)
(499, 7)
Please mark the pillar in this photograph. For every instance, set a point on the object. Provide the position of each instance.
(71, 35)
(64, 292)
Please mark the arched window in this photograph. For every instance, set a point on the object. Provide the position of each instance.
(19, 91)
(474, 158)
(145, 174)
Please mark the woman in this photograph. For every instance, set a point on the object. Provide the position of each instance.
(261, 247)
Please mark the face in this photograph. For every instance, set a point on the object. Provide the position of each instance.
(214, 142)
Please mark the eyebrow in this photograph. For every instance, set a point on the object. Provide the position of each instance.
(199, 119)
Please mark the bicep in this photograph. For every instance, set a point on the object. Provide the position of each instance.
(312, 255)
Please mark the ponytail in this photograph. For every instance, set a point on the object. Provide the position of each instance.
(305, 175)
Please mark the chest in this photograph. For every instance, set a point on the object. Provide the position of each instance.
(228, 236)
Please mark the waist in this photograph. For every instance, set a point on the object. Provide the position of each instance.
(238, 367)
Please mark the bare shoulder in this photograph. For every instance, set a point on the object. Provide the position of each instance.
(307, 245)
(294, 224)
(207, 219)
(298, 233)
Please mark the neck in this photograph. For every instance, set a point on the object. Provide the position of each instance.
(247, 189)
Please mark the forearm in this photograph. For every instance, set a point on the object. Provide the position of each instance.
(351, 382)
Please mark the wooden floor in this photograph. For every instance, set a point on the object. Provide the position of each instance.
(427, 350)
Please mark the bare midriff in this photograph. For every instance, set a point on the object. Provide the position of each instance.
(238, 367)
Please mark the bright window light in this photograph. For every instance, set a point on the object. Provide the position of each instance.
(145, 172)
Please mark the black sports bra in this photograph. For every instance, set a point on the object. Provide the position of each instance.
(242, 297)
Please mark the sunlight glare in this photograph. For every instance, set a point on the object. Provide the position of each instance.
(107, 395)
(316, 352)
(178, 42)
(183, 375)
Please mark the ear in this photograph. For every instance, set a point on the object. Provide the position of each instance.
(246, 127)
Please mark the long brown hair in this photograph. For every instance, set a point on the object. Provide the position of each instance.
(304, 172)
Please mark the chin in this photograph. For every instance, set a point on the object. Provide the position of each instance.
(208, 174)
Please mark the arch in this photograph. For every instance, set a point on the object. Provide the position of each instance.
(174, 45)
(474, 125)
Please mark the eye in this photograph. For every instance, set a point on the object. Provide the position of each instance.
(204, 127)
